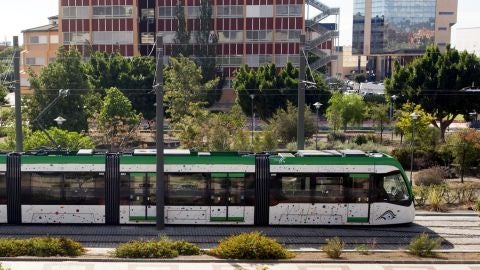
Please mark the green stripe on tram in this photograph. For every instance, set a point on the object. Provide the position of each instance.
(233, 219)
(142, 218)
(357, 219)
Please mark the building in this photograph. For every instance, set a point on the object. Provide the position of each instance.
(346, 66)
(467, 39)
(40, 45)
(384, 30)
(253, 32)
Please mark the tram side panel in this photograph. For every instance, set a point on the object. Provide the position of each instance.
(319, 196)
(70, 190)
(3, 189)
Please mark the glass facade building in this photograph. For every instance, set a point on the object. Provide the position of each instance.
(400, 26)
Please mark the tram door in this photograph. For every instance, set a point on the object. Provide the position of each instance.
(358, 198)
(227, 197)
(143, 196)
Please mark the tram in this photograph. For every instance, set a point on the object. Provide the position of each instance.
(324, 187)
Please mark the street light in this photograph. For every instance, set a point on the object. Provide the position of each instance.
(252, 96)
(414, 116)
(392, 103)
(59, 120)
(317, 105)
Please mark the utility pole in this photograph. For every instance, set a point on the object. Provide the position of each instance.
(301, 96)
(158, 87)
(18, 100)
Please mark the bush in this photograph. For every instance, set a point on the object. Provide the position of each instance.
(162, 248)
(332, 137)
(421, 245)
(476, 206)
(40, 247)
(360, 139)
(362, 249)
(420, 194)
(431, 176)
(435, 198)
(334, 247)
(253, 245)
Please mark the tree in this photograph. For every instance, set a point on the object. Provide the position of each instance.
(117, 118)
(284, 123)
(182, 35)
(206, 44)
(3, 94)
(184, 91)
(379, 116)
(345, 109)
(407, 125)
(273, 88)
(133, 76)
(67, 72)
(66, 139)
(436, 81)
(465, 146)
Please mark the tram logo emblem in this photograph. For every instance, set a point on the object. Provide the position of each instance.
(388, 215)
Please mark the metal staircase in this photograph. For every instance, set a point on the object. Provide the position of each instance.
(325, 34)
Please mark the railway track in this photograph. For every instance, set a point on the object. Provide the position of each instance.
(458, 232)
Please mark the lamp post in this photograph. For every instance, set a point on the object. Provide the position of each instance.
(414, 116)
(252, 97)
(392, 103)
(317, 106)
(59, 120)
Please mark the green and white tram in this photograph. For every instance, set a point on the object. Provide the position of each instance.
(328, 187)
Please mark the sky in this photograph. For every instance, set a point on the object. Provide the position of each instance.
(17, 15)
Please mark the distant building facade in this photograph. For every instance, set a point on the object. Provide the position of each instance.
(468, 39)
(253, 32)
(385, 29)
(40, 45)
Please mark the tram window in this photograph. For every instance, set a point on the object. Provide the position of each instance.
(396, 189)
(328, 189)
(42, 188)
(250, 189)
(357, 188)
(84, 188)
(3, 188)
(124, 189)
(186, 189)
(63, 188)
(294, 189)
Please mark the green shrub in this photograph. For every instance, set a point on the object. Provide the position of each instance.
(161, 248)
(420, 194)
(421, 245)
(362, 249)
(40, 247)
(186, 248)
(253, 245)
(360, 139)
(435, 198)
(334, 247)
(476, 206)
(431, 176)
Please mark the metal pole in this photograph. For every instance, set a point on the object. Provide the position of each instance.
(301, 97)
(160, 192)
(18, 100)
(316, 133)
(411, 154)
(252, 96)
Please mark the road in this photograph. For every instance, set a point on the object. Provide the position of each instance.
(225, 266)
(460, 231)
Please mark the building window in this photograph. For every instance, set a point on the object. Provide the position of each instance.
(259, 35)
(75, 12)
(286, 35)
(169, 37)
(38, 40)
(54, 39)
(442, 28)
(112, 37)
(289, 10)
(230, 11)
(148, 13)
(446, 13)
(193, 12)
(232, 60)
(112, 11)
(75, 37)
(229, 36)
(35, 61)
(147, 38)
(166, 12)
(260, 11)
